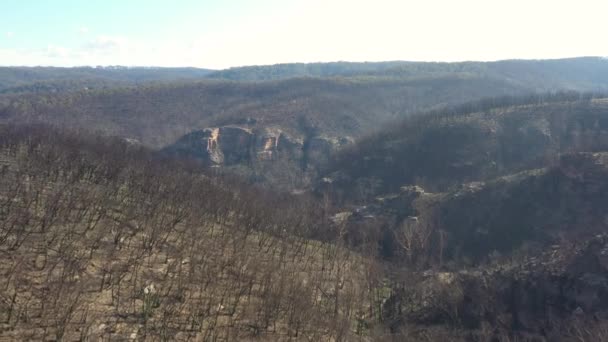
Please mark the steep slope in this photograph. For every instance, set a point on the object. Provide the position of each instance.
(536, 207)
(524, 255)
(309, 118)
(475, 222)
(101, 240)
(473, 143)
(543, 206)
(558, 295)
(313, 117)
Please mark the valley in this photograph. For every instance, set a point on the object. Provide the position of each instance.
(390, 201)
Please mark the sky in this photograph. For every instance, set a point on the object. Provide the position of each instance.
(227, 33)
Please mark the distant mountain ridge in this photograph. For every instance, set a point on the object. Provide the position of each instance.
(159, 114)
(49, 79)
(580, 73)
(301, 103)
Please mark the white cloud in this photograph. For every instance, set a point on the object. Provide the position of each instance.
(83, 30)
(107, 43)
(356, 30)
(321, 30)
(53, 51)
(51, 55)
(10, 34)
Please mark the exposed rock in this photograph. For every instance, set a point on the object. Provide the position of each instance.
(400, 204)
(132, 141)
(40, 261)
(529, 296)
(535, 206)
(229, 145)
(271, 142)
(216, 146)
(236, 145)
(203, 145)
(341, 217)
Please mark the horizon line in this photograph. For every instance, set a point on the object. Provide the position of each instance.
(119, 66)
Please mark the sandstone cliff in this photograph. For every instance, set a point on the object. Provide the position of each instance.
(241, 146)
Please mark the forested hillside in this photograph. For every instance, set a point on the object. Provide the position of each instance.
(306, 119)
(102, 239)
(505, 197)
(157, 115)
(580, 74)
(99, 239)
(324, 114)
(475, 142)
(388, 201)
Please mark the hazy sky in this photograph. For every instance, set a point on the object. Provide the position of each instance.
(224, 33)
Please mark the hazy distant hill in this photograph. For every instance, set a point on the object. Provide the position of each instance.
(315, 115)
(581, 74)
(158, 115)
(52, 79)
(290, 70)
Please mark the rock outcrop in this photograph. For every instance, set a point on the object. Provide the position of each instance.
(530, 209)
(568, 281)
(216, 146)
(228, 145)
(234, 145)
